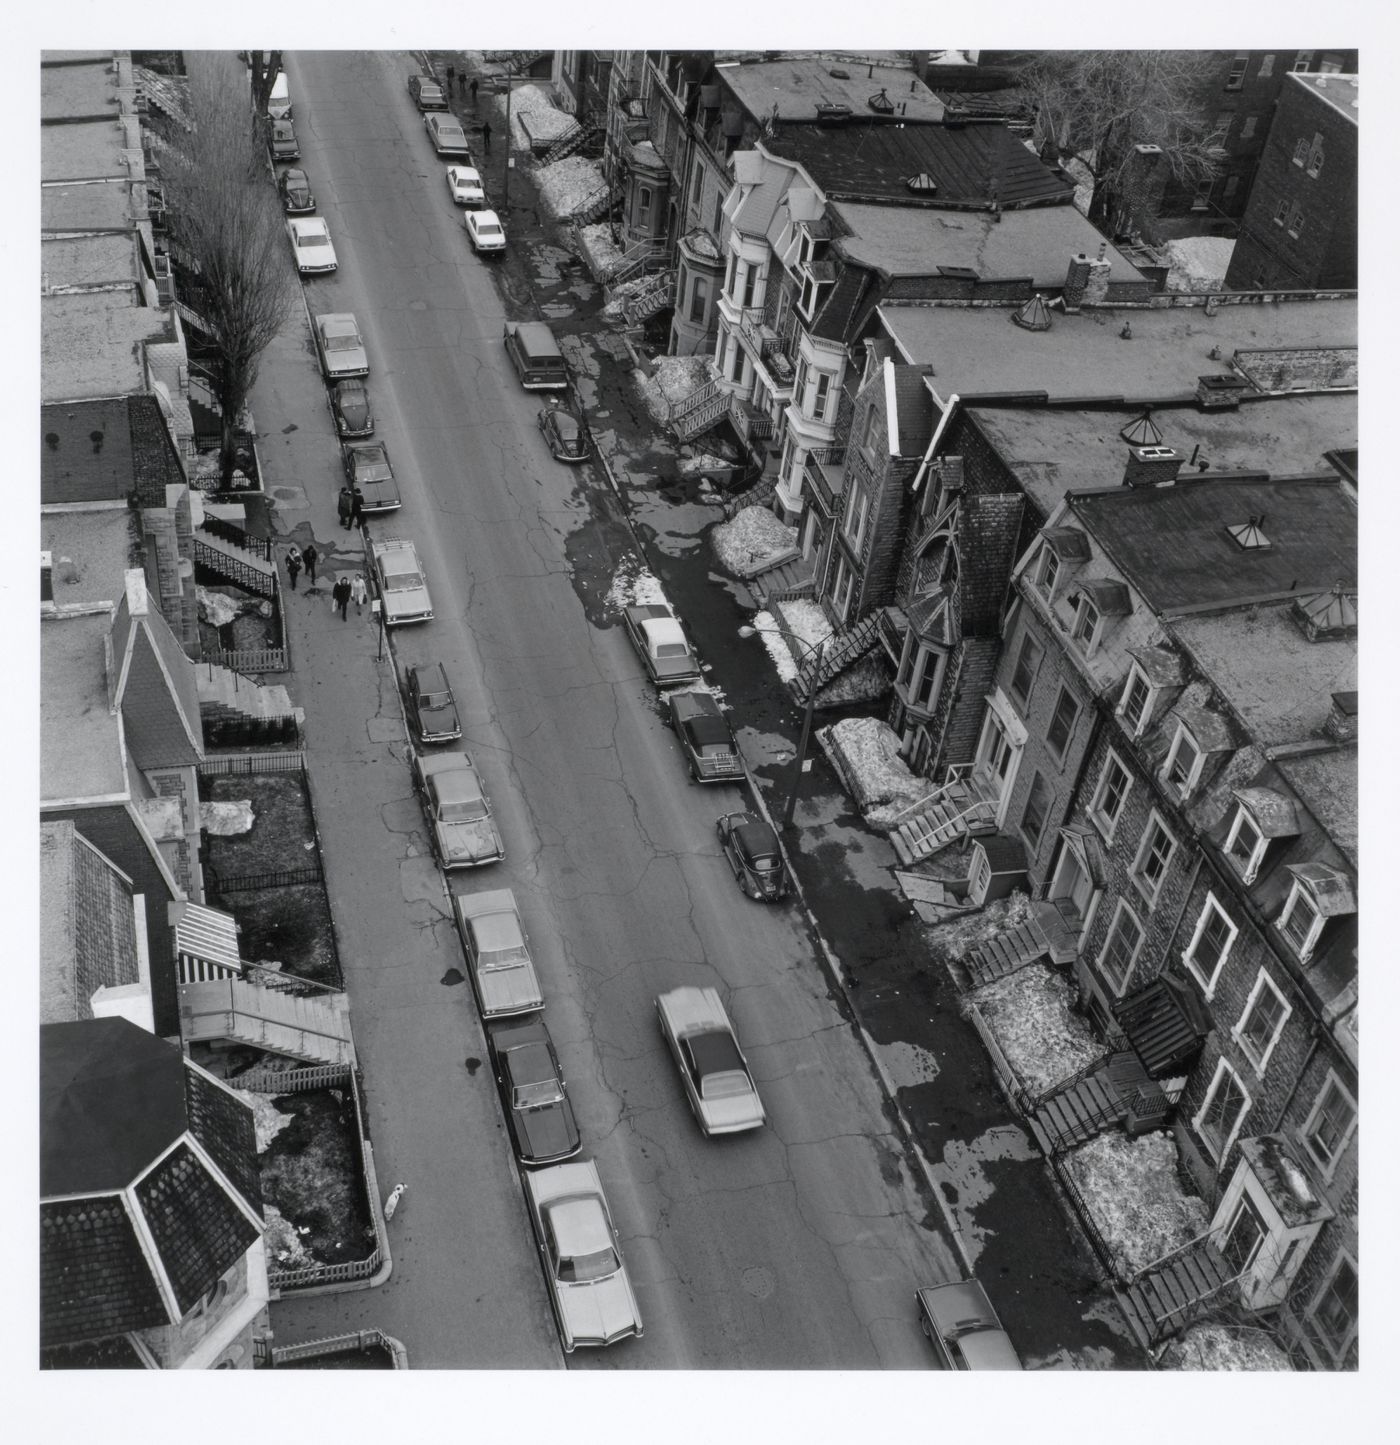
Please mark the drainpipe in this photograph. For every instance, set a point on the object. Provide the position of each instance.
(934, 440)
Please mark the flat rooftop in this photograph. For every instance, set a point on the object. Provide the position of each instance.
(981, 349)
(80, 751)
(90, 260)
(90, 345)
(81, 151)
(1053, 450)
(71, 207)
(916, 241)
(92, 550)
(799, 84)
(77, 89)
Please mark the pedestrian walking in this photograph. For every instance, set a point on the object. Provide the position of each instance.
(340, 594)
(344, 505)
(486, 135)
(473, 91)
(308, 558)
(451, 76)
(359, 593)
(294, 564)
(392, 1202)
(357, 506)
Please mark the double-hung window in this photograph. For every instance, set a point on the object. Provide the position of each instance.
(1154, 856)
(1335, 1310)
(1134, 705)
(1235, 79)
(1300, 922)
(1314, 162)
(823, 393)
(1244, 845)
(1062, 723)
(1037, 810)
(1183, 765)
(1329, 1127)
(1226, 1103)
(1086, 623)
(1110, 796)
(1120, 946)
(1210, 945)
(1027, 661)
(1047, 570)
(1260, 1024)
(857, 509)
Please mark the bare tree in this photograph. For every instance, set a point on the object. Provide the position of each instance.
(1095, 105)
(226, 224)
(264, 65)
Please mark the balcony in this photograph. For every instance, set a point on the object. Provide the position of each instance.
(777, 351)
(826, 477)
(753, 424)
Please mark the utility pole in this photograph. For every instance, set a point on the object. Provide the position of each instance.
(505, 189)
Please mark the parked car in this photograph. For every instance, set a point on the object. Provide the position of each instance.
(711, 753)
(294, 186)
(498, 954)
(565, 434)
(533, 1093)
(283, 142)
(536, 357)
(665, 652)
(426, 92)
(338, 342)
(485, 232)
(459, 817)
(447, 136)
(367, 467)
(722, 1094)
(751, 847)
(311, 245)
(402, 590)
(279, 100)
(465, 187)
(588, 1284)
(431, 707)
(964, 1329)
(351, 408)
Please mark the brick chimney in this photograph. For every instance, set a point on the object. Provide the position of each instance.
(1086, 281)
(1341, 721)
(1221, 392)
(1076, 279)
(1151, 466)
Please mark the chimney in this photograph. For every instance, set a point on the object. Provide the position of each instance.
(1096, 287)
(1221, 392)
(1341, 721)
(1151, 466)
(1076, 280)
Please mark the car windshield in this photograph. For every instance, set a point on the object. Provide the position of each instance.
(671, 649)
(582, 1268)
(343, 343)
(489, 229)
(473, 810)
(403, 581)
(512, 956)
(536, 1096)
(313, 238)
(435, 699)
(729, 1085)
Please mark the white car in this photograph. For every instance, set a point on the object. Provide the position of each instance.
(588, 1284)
(661, 643)
(311, 245)
(465, 188)
(722, 1094)
(399, 577)
(484, 231)
(498, 954)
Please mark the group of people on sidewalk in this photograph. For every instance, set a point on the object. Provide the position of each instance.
(347, 589)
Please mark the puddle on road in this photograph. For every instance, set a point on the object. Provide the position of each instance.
(453, 977)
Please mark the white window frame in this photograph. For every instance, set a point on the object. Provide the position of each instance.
(1185, 788)
(1222, 1068)
(1259, 1058)
(1239, 66)
(804, 247)
(1306, 1134)
(1034, 842)
(842, 587)
(1266, 68)
(1136, 674)
(1047, 563)
(1295, 221)
(1300, 157)
(1141, 882)
(1120, 985)
(1248, 866)
(1337, 1352)
(1188, 958)
(1088, 623)
(821, 397)
(1247, 127)
(1300, 893)
(1301, 62)
(1105, 822)
(857, 513)
(867, 429)
(1028, 641)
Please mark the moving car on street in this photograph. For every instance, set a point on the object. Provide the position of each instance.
(721, 1091)
(351, 408)
(283, 141)
(311, 245)
(533, 1093)
(964, 1329)
(426, 92)
(535, 355)
(367, 467)
(656, 633)
(465, 188)
(485, 232)
(588, 1284)
(498, 954)
(565, 434)
(402, 590)
(751, 847)
(294, 187)
(338, 343)
(448, 138)
(431, 707)
(459, 817)
(711, 753)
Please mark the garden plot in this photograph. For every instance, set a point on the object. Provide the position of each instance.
(752, 541)
(282, 837)
(1031, 1014)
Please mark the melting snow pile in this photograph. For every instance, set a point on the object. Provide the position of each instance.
(268, 1120)
(959, 937)
(866, 753)
(751, 541)
(673, 378)
(804, 620)
(633, 585)
(215, 608)
(283, 1240)
(767, 627)
(1030, 1014)
(1225, 1347)
(1133, 1190)
(568, 185)
(599, 249)
(226, 819)
(623, 292)
(1198, 263)
(706, 462)
(1083, 179)
(547, 121)
(864, 681)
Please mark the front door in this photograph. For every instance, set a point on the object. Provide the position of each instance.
(995, 759)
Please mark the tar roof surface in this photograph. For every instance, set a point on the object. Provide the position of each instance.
(90, 347)
(797, 85)
(980, 349)
(91, 552)
(1341, 92)
(81, 151)
(80, 754)
(67, 90)
(90, 261)
(1327, 784)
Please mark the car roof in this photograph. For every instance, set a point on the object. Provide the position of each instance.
(580, 1225)
(429, 677)
(512, 1033)
(535, 336)
(465, 172)
(565, 422)
(706, 729)
(714, 1051)
(663, 629)
(496, 930)
(755, 836)
(458, 784)
(962, 1305)
(338, 323)
(399, 561)
(292, 175)
(989, 1350)
(303, 224)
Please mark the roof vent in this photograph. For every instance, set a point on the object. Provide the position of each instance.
(1341, 721)
(836, 73)
(1034, 315)
(1221, 392)
(833, 114)
(881, 104)
(1249, 536)
(1327, 614)
(1142, 431)
(922, 185)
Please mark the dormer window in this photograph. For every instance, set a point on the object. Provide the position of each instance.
(804, 249)
(1245, 845)
(1099, 601)
(1182, 768)
(1086, 623)
(1047, 571)
(1319, 892)
(1135, 706)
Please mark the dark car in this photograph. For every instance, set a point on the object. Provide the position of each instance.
(432, 710)
(565, 433)
(426, 92)
(964, 1329)
(284, 141)
(350, 404)
(536, 1099)
(710, 749)
(367, 467)
(753, 852)
(295, 189)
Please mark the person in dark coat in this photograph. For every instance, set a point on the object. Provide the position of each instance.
(451, 76)
(486, 135)
(357, 506)
(473, 91)
(294, 564)
(340, 595)
(308, 558)
(344, 505)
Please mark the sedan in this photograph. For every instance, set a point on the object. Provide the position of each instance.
(964, 1329)
(283, 143)
(656, 634)
(753, 852)
(295, 189)
(565, 434)
(339, 345)
(432, 710)
(459, 815)
(350, 405)
(485, 232)
(448, 138)
(367, 467)
(403, 591)
(311, 245)
(721, 1091)
(465, 188)
(536, 1100)
(706, 738)
(588, 1284)
(498, 954)
(426, 92)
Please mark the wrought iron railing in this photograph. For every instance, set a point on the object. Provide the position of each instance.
(1097, 1242)
(218, 527)
(239, 764)
(274, 878)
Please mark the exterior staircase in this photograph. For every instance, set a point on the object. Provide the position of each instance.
(228, 698)
(1006, 953)
(698, 412)
(236, 556)
(1174, 1290)
(598, 204)
(640, 258)
(789, 577)
(573, 140)
(655, 296)
(313, 1030)
(841, 650)
(1088, 1103)
(757, 495)
(957, 810)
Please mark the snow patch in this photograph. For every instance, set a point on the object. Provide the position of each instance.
(547, 121)
(1225, 1347)
(751, 541)
(672, 379)
(1198, 263)
(633, 585)
(805, 620)
(215, 608)
(766, 625)
(268, 1120)
(226, 819)
(600, 250)
(283, 1240)
(1083, 179)
(956, 939)
(568, 185)
(868, 751)
(1031, 1015)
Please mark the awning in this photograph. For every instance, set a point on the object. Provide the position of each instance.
(1084, 844)
(1164, 1024)
(208, 934)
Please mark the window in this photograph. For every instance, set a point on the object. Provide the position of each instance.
(1329, 67)
(1037, 810)
(1062, 723)
(719, 213)
(750, 283)
(1314, 165)
(736, 364)
(1210, 945)
(1235, 79)
(1109, 797)
(1154, 857)
(1183, 765)
(1244, 845)
(823, 392)
(1133, 706)
(731, 273)
(921, 695)
(804, 249)
(841, 591)
(1295, 221)
(1329, 1127)
(1265, 1013)
(699, 299)
(1120, 947)
(809, 296)
(1266, 68)
(1247, 127)
(1244, 1237)
(856, 509)
(868, 429)
(1221, 1114)
(1302, 61)
(1086, 623)
(697, 184)
(1027, 661)
(643, 203)
(1047, 570)
(1334, 1311)
(1300, 922)
(1300, 158)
